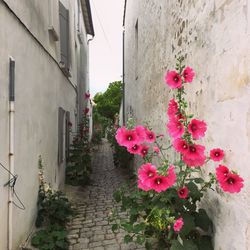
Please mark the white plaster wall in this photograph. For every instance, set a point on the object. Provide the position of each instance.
(41, 88)
(215, 38)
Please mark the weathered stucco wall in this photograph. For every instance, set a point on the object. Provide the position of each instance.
(41, 88)
(215, 38)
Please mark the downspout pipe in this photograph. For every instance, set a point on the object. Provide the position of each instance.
(123, 77)
(11, 147)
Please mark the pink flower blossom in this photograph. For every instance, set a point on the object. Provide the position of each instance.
(159, 183)
(216, 154)
(143, 186)
(150, 136)
(221, 173)
(197, 129)
(175, 128)
(144, 150)
(183, 192)
(86, 111)
(140, 130)
(171, 176)
(188, 74)
(87, 95)
(172, 108)
(156, 149)
(195, 156)
(147, 171)
(233, 183)
(180, 145)
(126, 138)
(173, 79)
(178, 225)
(136, 149)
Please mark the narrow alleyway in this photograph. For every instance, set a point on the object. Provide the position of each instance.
(91, 229)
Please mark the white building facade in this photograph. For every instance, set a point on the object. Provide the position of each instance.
(43, 77)
(214, 37)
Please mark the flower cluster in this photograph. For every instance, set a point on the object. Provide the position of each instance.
(178, 181)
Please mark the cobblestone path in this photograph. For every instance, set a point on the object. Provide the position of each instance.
(90, 229)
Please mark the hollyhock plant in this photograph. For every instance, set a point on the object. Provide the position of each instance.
(197, 129)
(216, 154)
(164, 200)
(87, 95)
(188, 74)
(173, 79)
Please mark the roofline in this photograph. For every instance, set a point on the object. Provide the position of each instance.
(124, 13)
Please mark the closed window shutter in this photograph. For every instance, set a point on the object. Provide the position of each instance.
(60, 134)
(64, 34)
(67, 135)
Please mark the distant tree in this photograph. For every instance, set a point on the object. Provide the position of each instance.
(108, 103)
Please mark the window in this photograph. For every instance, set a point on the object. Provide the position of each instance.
(64, 37)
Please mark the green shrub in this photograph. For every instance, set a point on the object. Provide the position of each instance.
(51, 238)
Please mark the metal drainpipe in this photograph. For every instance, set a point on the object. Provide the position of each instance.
(11, 146)
(123, 77)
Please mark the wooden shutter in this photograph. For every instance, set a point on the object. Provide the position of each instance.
(60, 134)
(64, 34)
(67, 143)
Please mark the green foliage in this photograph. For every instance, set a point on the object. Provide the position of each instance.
(108, 103)
(78, 168)
(51, 238)
(54, 210)
(97, 137)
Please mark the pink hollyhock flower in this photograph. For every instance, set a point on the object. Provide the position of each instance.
(178, 225)
(159, 183)
(140, 130)
(221, 173)
(171, 176)
(197, 129)
(194, 156)
(216, 154)
(135, 149)
(126, 138)
(150, 136)
(87, 95)
(156, 149)
(183, 192)
(175, 128)
(86, 110)
(188, 74)
(233, 183)
(173, 79)
(147, 171)
(180, 145)
(172, 108)
(143, 186)
(144, 150)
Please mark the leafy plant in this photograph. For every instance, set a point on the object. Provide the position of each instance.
(78, 168)
(51, 238)
(163, 202)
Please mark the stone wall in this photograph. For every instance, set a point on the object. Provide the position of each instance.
(214, 36)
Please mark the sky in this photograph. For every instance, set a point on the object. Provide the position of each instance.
(105, 51)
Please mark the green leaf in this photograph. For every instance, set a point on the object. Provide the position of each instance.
(148, 246)
(188, 226)
(187, 245)
(205, 243)
(198, 180)
(140, 239)
(117, 196)
(115, 227)
(202, 220)
(139, 227)
(128, 239)
(128, 227)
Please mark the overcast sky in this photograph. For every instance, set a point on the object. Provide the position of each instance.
(106, 48)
